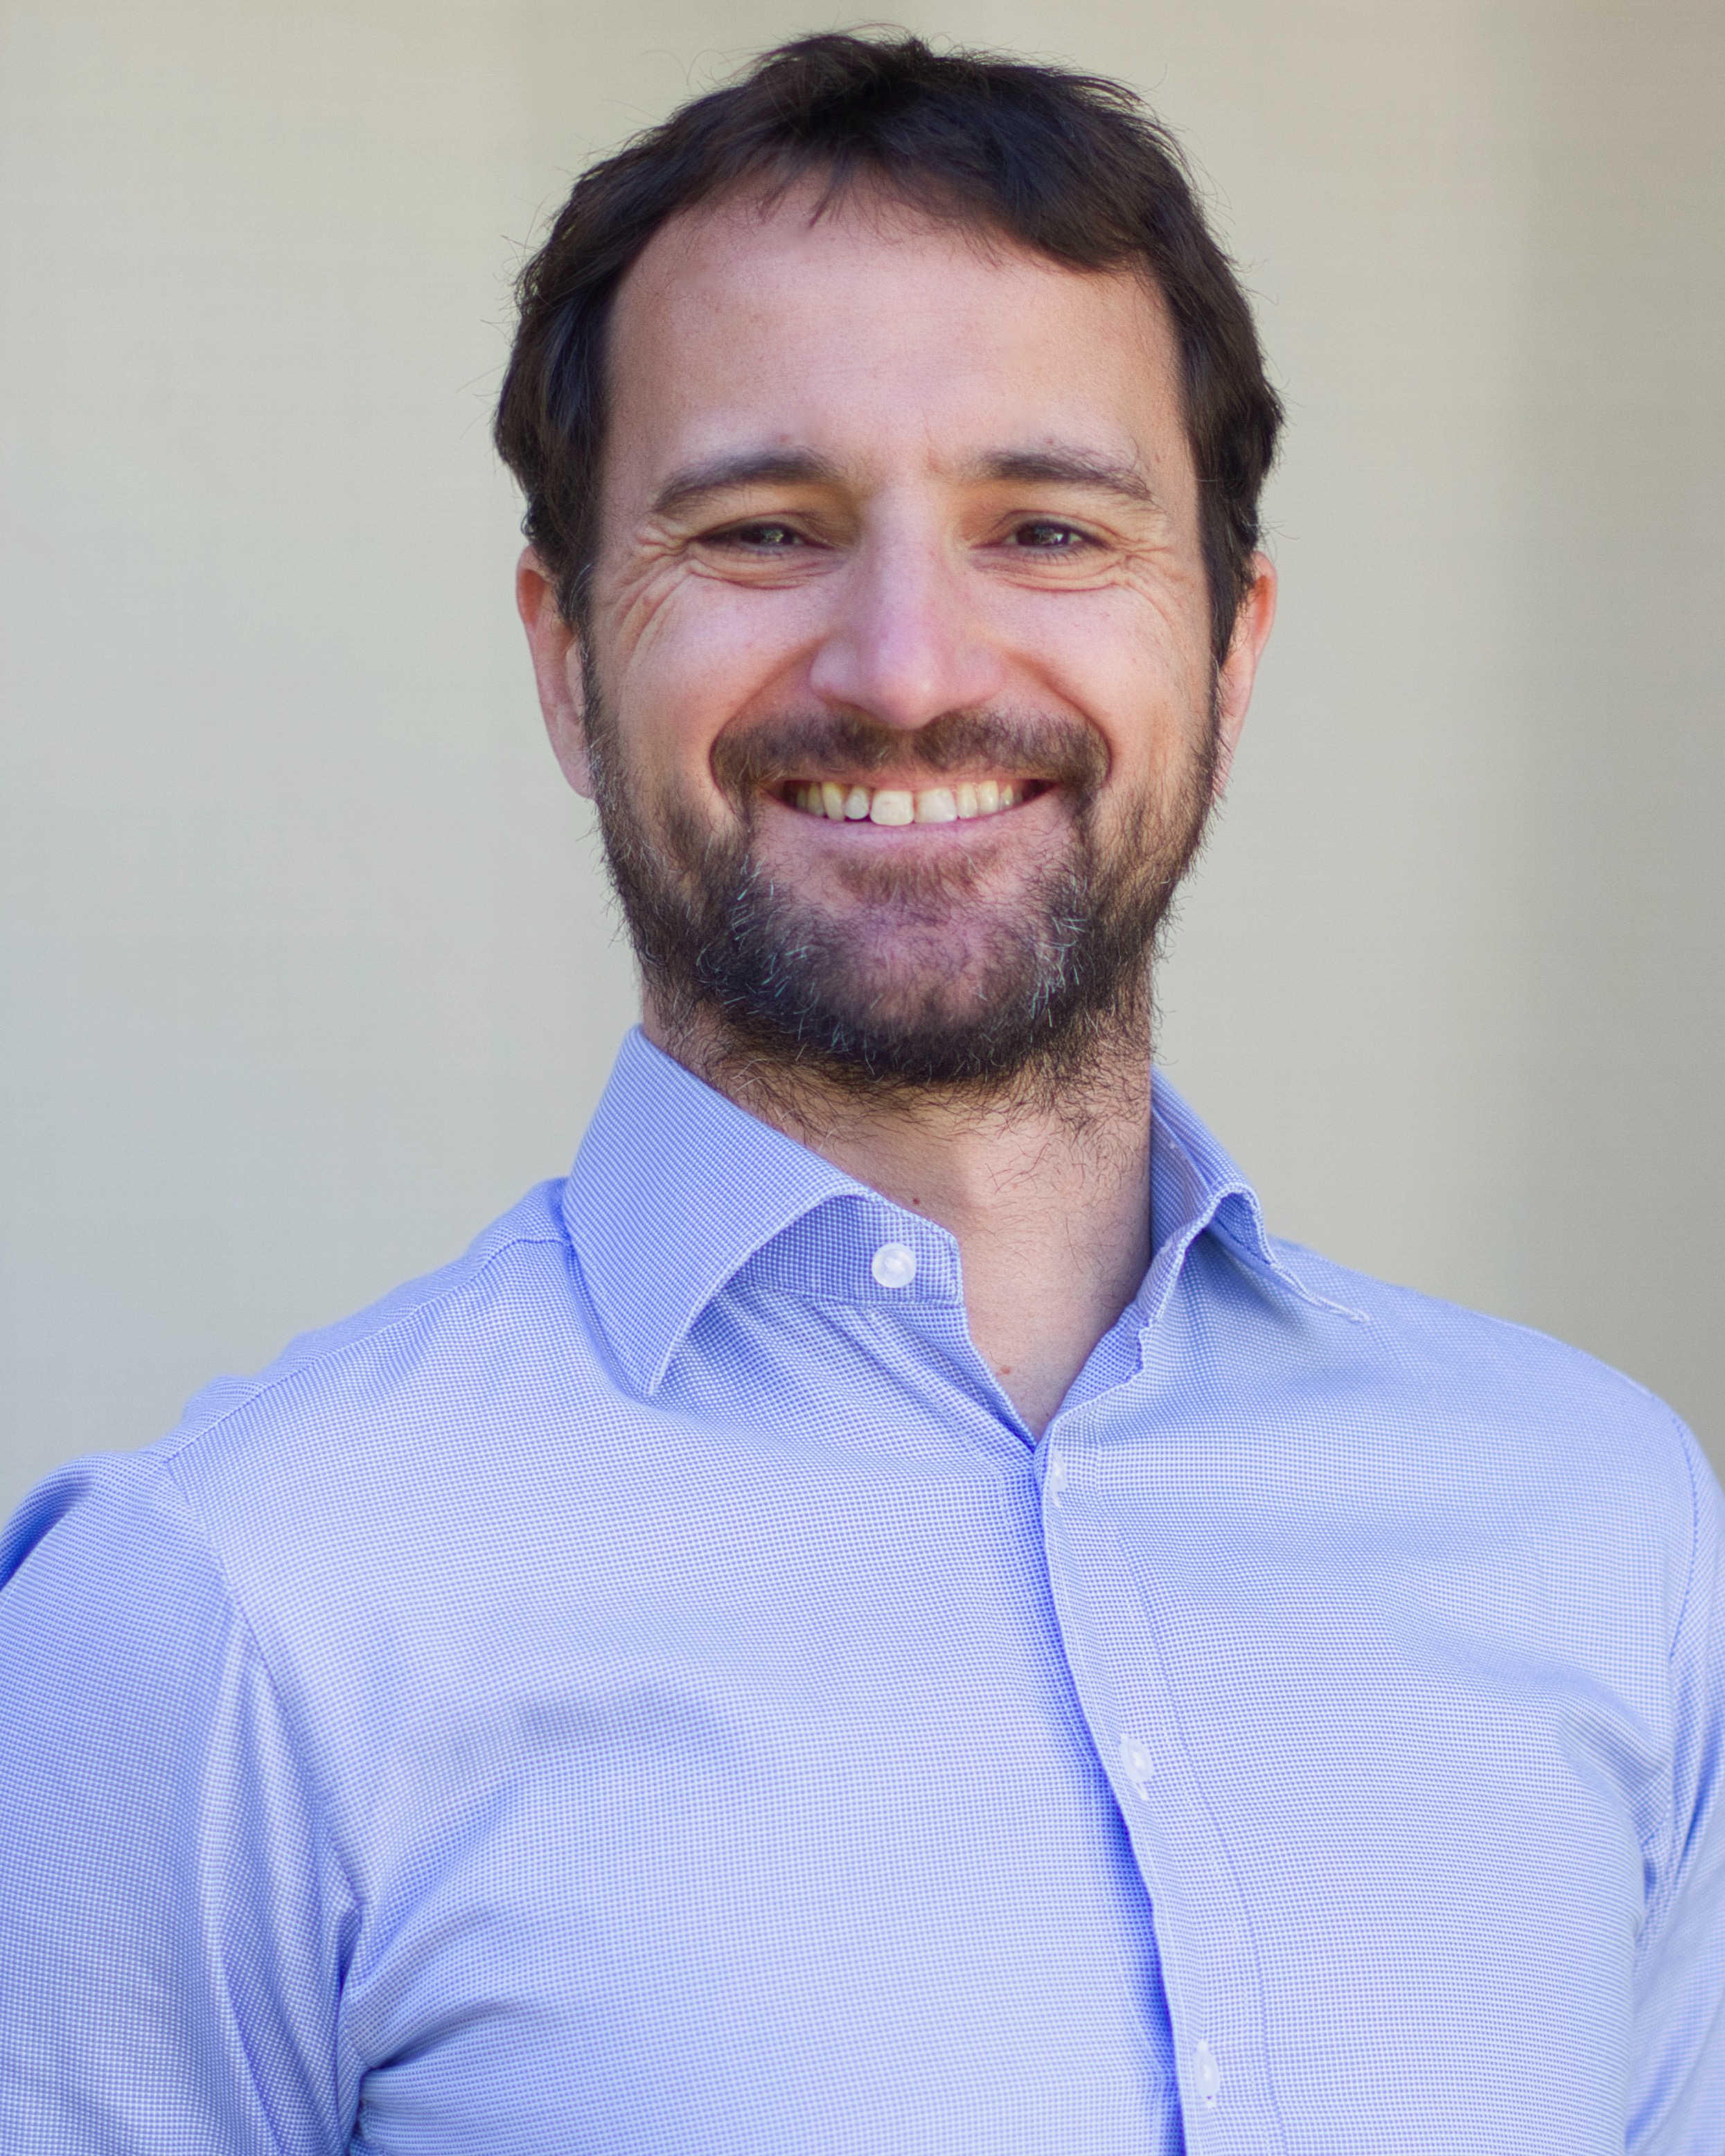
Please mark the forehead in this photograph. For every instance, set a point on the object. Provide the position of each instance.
(874, 335)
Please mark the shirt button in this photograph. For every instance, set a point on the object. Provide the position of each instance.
(893, 1264)
(1139, 1766)
(1208, 2073)
(1057, 1469)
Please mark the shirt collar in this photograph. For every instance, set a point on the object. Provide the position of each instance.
(1194, 1187)
(675, 1188)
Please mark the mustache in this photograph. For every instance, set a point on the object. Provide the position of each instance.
(1007, 745)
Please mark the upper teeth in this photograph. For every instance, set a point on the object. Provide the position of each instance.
(896, 804)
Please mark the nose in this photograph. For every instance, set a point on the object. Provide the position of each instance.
(908, 639)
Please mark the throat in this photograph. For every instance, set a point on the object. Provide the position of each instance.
(1048, 1201)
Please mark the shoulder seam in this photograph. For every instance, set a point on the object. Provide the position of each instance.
(1494, 1322)
(1685, 1447)
(163, 1470)
(322, 1810)
(1652, 1840)
(169, 1449)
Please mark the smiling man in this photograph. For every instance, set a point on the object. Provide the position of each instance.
(885, 1613)
(890, 667)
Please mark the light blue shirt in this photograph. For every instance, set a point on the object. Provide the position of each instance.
(642, 1690)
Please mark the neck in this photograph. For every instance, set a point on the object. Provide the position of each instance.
(1045, 1190)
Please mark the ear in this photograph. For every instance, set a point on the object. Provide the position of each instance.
(557, 656)
(1240, 669)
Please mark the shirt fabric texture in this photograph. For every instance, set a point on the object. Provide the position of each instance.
(642, 1689)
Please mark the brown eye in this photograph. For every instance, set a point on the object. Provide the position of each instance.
(1045, 535)
(766, 538)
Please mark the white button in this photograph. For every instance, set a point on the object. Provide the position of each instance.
(893, 1264)
(1057, 1469)
(1135, 1759)
(1209, 2074)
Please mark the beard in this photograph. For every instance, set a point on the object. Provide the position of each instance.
(926, 978)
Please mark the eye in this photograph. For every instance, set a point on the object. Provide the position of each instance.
(766, 536)
(1047, 535)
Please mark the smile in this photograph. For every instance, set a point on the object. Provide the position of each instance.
(896, 804)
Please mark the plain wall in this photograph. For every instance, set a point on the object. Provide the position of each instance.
(308, 969)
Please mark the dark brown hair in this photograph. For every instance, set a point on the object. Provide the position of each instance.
(1068, 165)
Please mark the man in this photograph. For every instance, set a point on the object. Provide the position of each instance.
(885, 1614)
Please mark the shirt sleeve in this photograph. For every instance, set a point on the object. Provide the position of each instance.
(1677, 2063)
(172, 1917)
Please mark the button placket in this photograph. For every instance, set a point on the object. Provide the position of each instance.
(1137, 1764)
(1065, 1540)
(1209, 1964)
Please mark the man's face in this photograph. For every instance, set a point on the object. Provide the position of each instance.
(897, 697)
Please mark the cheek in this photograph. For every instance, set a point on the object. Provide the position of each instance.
(1145, 691)
(691, 658)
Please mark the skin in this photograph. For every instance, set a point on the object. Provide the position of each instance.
(866, 463)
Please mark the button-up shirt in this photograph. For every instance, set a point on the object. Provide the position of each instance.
(643, 1690)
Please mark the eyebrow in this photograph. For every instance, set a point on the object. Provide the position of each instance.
(1069, 467)
(748, 468)
(1052, 467)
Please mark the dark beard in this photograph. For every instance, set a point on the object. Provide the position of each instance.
(1051, 982)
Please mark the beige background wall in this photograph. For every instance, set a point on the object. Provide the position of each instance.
(306, 969)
